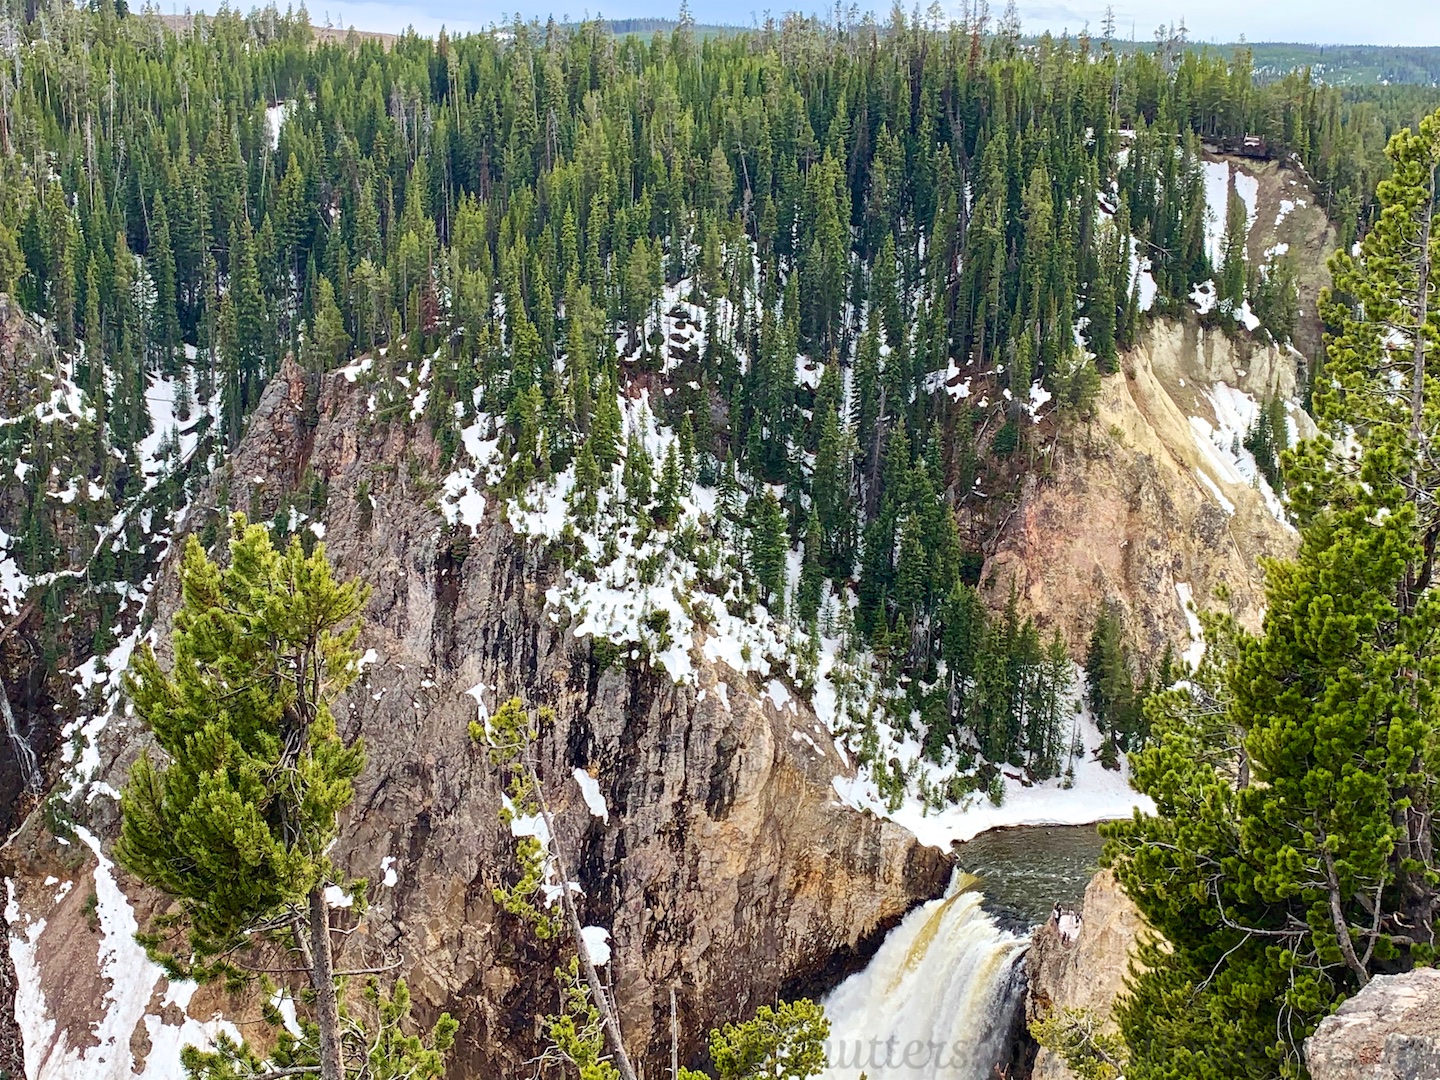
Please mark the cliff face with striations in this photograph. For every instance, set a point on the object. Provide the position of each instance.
(726, 870)
(1149, 505)
(25, 358)
(1156, 500)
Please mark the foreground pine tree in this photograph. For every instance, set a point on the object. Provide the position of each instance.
(1293, 854)
(235, 823)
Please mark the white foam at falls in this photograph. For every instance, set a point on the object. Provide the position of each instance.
(937, 1002)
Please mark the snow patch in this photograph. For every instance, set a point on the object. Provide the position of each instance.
(1095, 794)
(523, 825)
(1195, 652)
(133, 980)
(337, 897)
(597, 944)
(1217, 203)
(1222, 445)
(284, 1004)
(1214, 489)
(1098, 794)
(275, 117)
(948, 379)
(14, 583)
(1141, 277)
(593, 796)
(779, 695)
(354, 370)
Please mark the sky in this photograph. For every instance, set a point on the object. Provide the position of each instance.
(1370, 22)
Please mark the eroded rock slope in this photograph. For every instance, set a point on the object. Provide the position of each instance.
(726, 870)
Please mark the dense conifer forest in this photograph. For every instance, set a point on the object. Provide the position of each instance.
(856, 215)
(754, 337)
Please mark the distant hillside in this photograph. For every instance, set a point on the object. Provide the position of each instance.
(647, 27)
(323, 34)
(1338, 65)
(1349, 65)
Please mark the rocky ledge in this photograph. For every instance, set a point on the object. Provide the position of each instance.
(1082, 967)
(1390, 1030)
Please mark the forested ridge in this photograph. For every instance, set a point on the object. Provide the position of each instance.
(846, 220)
(752, 340)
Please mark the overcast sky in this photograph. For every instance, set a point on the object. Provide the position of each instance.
(1378, 22)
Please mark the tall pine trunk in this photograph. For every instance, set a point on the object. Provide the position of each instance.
(604, 1003)
(322, 981)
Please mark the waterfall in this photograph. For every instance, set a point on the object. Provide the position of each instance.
(939, 1000)
(24, 755)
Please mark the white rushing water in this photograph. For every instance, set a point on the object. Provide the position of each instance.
(937, 1002)
(24, 755)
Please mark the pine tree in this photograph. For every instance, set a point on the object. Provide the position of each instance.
(667, 493)
(11, 261)
(237, 825)
(329, 341)
(245, 343)
(637, 476)
(887, 294)
(584, 496)
(605, 426)
(160, 262)
(832, 498)
(1110, 688)
(1046, 729)
(812, 572)
(1295, 775)
(1231, 286)
(588, 1025)
(767, 547)
(61, 269)
(783, 1042)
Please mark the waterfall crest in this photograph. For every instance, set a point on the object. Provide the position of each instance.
(938, 1001)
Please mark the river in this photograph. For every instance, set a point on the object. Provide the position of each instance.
(1025, 870)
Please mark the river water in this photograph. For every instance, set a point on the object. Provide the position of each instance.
(942, 997)
(1025, 870)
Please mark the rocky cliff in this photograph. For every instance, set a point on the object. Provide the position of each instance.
(726, 869)
(1085, 971)
(1155, 503)
(25, 357)
(1390, 1030)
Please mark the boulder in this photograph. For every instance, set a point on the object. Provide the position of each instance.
(1390, 1030)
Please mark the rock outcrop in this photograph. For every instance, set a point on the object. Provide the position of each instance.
(1087, 971)
(1390, 1030)
(25, 353)
(12, 1051)
(1140, 508)
(727, 869)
